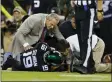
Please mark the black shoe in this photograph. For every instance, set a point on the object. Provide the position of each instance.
(91, 70)
(80, 69)
(76, 66)
(8, 63)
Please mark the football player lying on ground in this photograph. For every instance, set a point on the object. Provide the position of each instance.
(40, 58)
(98, 46)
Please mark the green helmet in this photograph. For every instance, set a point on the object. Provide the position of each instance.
(53, 58)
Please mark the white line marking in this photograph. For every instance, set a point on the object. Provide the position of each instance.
(97, 76)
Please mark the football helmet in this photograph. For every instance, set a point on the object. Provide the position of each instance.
(53, 58)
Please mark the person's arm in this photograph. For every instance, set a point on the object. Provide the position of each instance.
(58, 34)
(24, 31)
(100, 9)
(68, 58)
(99, 4)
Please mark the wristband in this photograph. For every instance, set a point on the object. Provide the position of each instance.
(100, 10)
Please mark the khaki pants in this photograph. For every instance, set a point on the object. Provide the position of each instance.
(97, 55)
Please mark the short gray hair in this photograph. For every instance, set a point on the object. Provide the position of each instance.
(53, 16)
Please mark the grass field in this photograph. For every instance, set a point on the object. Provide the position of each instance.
(52, 76)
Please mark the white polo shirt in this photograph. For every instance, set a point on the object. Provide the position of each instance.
(74, 43)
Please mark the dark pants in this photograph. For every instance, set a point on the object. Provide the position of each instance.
(106, 34)
(84, 29)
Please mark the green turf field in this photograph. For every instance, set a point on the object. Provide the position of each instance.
(52, 76)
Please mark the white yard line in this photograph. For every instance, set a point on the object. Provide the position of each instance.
(97, 76)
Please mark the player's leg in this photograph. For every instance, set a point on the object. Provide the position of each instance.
(75, 66)
(6, 61)
(9, 61)
(97, 55)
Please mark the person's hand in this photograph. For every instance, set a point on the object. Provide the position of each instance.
(107, 58)
(66, 52)
(100, 16)
(72, 3)
(27, 47)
